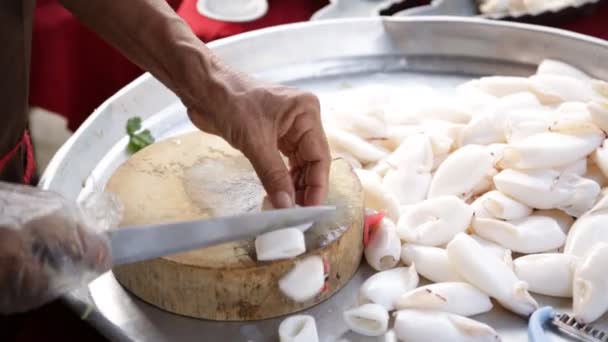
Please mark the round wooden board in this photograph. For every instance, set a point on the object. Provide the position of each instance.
(198, 175)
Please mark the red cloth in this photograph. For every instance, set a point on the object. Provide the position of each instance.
(73, 71)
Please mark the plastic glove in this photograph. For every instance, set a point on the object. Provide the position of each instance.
(47, 247)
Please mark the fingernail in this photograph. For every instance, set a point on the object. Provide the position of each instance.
(282, 200)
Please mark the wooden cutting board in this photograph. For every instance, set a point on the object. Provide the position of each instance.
(198, 175)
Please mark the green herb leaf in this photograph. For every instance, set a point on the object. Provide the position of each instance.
(133, 125)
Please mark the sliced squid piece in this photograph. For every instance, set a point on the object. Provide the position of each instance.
(563, 220)
(486, 184)
(368, 319)
(587, 231)
(429, 325)
(533, 234)
(461, 172)
(541, 189)
(385, 287)
(496, 151)
(584, 196)
(280, 244)
(377, 197)
(453, 297)
(548, 150)
(591, 285)
(598, 110)
(384, 248)
(574, 111)
(501, 252)
(342, 141)
(473, 98)
(578, 167)
(523, 123)
(435, 221)
(305, 280)
(408, 186)
(445, 111)
(504, 85)
(298, 328)
(549, 274)
(554, 89)
(555, 67)
(479, 210)
(501, 206)
(494, 6)
(431, 262)
(489, 127)
(490, 274)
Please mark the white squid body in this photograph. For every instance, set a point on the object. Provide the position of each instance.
(523, 123)
(342, 141)
(600, 157)
(384, 248)
(587, 231)
(578, 167)
(453, 297)
(595, 174)
(549, 274)
(444, 111)
(461, 172)
(501, 206)
(501, 252)
(280, 244)
(598, 109)
(377, 197)
(385, 287)
(532, 234)
(489, 127)
(435, 221)
(409, 176)
(554, 67)
(473, 98)
(305, 280)
(490, 274)
(501, 86)
(298, 328)
(431, 262)
(585, 194)
(541, 189)
(428, 325)
(554, 89)
(563, 220)
(591, 285)
(368, 319)
(548, 150)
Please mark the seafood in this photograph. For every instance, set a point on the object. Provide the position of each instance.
(305, 280)
(453, 297)
(503, 85)
(600, 157)
(435, 221)
(598, 110)
(345, 142)
(461, 172)
(578, 167)
(584, 195)
(280, 244)
(554, 67)
(298, 328)
(490, 274)
(563, 220)
(532, 234)
(368, 319)
(501, 206)
(548, 274)
(590, 285)
(548, 150)
(431, 262)
(377, 197)
(587, 231)
(501, 252)
(384, 248)
(541, 189)
(385, 287)
(429, 325)
(554, 89)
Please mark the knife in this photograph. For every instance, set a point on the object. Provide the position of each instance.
(139, 243)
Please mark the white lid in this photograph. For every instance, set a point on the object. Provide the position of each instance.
(233, 10)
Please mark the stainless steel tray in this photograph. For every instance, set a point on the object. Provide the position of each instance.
(321, 56)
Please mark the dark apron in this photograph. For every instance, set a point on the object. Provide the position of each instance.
(15, 39)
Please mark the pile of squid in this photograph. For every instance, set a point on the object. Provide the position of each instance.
(521, 7)
(493, 194)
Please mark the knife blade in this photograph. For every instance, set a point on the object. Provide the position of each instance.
(139, 243)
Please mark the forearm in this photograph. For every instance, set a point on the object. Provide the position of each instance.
(153, 36)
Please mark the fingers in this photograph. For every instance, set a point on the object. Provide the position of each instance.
(270, 168)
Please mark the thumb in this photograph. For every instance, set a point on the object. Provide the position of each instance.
(274, 175)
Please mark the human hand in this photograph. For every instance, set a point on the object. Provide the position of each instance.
(263, 121)
(46, 248)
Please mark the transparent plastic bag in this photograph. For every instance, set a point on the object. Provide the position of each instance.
(49, 245)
